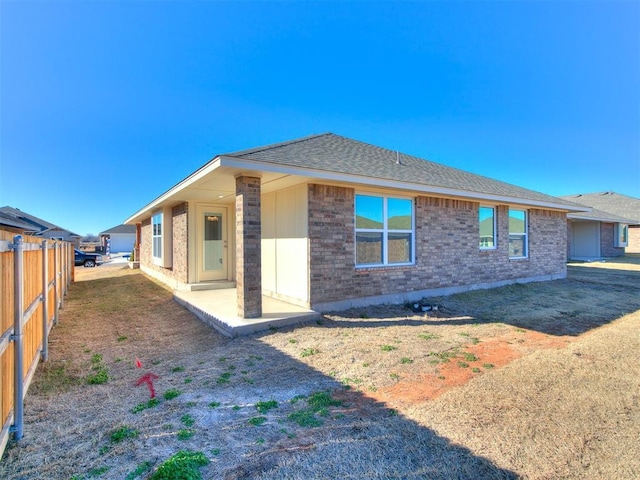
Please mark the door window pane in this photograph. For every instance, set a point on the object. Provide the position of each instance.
(212, 247)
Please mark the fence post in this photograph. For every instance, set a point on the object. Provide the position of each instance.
(56, 300)
(69, 267)
(60, 271)
(65, 249)
(17, 337)
(44, 354)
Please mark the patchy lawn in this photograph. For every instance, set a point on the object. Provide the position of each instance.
(536, 381)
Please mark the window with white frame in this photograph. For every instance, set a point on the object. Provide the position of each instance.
(384, 230)
(487, 219)
(621, 238)
(518, 241)
(156, 236)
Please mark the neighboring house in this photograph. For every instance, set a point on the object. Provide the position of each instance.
(12, 224)
(120, 238)
(327, 222)
(39, 227)
(612, 229)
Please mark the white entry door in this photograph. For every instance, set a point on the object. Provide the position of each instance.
(212, 243)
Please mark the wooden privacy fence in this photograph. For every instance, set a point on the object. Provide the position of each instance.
(35, 274)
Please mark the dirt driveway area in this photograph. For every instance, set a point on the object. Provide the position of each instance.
(536, 381)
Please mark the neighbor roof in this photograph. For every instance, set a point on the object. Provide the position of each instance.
(334, 153)
(600, 216)
(11, 221)
(610, 202)
(120, 229)
(36, 224)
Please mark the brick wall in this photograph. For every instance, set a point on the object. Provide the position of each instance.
(607, 237)
(179, 270)
(447, 253)
(634, 239)
(180, 242)
(248, 248)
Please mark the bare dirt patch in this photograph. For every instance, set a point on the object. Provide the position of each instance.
(474, 359)
(533, 381)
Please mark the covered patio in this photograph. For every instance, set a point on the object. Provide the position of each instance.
(219, 308)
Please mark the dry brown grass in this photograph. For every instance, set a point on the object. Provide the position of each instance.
(533, 381)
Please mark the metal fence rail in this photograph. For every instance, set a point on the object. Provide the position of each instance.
(34, 277)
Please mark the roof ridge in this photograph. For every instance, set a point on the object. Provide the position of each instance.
(602, 192)
(392, 153)
(272, 146)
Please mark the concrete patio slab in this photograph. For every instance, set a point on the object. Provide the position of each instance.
(218, 308)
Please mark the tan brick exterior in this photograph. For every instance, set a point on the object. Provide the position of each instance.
(248, 248)
(180, 242)
(634, 239)
(447, 252)
(179, 271)
(607, 237)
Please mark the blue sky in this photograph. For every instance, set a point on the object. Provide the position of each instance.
(104, 105)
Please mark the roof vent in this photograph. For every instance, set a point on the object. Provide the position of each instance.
(398, 158)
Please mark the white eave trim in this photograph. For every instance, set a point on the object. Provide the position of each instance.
(597, 218)
(190, 180)
(255, 166)
(377, 182)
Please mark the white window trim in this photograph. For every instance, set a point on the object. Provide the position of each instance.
(166, 226)
(155, 255)
(525, 234)
(385, 231)
(618, 229)
(495, 227)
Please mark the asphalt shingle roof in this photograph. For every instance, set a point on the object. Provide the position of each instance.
(334, 153)
(120, 229)
(601, 216)
(11, 221)
(37, 224)
(610, 202)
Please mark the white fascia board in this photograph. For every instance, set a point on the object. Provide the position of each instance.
(190, 180)
(249, 165)
(598, 218)
(586, 218)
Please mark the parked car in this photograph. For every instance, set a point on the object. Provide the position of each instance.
(87, 259)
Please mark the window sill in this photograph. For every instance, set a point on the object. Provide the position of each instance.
(374, 268)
